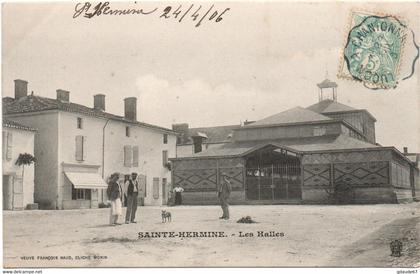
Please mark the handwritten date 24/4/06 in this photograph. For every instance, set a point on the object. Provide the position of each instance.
(194, 12)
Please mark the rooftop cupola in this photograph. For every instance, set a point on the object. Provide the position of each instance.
(327, 90)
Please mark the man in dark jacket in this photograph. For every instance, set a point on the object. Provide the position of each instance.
(132, 187)
(224, 192)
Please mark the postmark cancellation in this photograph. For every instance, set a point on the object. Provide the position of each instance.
(373, 50)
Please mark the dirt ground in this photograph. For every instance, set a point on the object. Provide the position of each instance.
(356, 235)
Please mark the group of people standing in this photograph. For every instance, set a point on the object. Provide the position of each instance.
(117, 190)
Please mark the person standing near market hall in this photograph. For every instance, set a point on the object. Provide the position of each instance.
(132, 186)
(178, 194)
(223, 194)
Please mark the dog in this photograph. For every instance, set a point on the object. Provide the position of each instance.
(166, 216)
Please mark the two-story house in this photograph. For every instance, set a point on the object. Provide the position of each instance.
(79, 147)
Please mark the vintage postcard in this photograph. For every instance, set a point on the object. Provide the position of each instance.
(211, 134)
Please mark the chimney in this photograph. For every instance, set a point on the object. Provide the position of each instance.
(63, 95)
(21, 88)
(99, 102)
(182, 129)
(405, 150)
(246, 122)
(130, 108)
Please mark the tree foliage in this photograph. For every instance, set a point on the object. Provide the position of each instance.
(25, 159)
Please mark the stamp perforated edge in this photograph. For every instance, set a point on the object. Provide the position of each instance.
(346, 76)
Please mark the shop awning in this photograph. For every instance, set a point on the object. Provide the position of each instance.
(86, 180)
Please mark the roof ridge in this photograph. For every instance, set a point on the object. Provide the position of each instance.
(296, 114)
(47, 103)
(197, 128)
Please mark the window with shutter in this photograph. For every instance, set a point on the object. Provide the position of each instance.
(79, 123)
(128, 156)
(79, 148)
(142, 185)
(164, 157)
(155, 188)
(84, 148)
(127, 131)
(164, 188)
(9, 145)
(135, 156)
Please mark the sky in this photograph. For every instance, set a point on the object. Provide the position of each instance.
(260, 59)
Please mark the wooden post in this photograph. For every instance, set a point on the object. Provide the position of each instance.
(412, 185)
(172, 200)
(390, 172)
(301, 176)
(217, 176)
(244, 177)
(272, 181)
(259, 182)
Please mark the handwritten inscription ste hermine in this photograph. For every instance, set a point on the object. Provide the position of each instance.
(194, 12)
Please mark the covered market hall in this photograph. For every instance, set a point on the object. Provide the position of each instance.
(325, 153)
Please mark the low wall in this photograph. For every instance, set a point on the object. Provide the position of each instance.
(375, 195)
(76, 204)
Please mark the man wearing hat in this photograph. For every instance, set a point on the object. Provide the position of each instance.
(224, 192)
(132, 186)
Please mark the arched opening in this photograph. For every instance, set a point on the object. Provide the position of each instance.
(273, 173)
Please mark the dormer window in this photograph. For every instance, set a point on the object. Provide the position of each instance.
(127, 131)
(79, 123)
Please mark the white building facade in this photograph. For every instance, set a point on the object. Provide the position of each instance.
(78, 148)
(18, 181)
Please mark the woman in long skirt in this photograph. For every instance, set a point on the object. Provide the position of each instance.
(114, 192)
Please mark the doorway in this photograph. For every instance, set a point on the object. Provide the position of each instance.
(12, 192)
(273, 174)
(7, 192)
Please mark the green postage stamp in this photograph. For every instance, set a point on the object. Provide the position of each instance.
(373, 50)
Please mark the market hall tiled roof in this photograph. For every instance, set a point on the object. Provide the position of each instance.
(308, 144)
(33, 103)
(329, 105)
(13, 124)
(290, 116)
